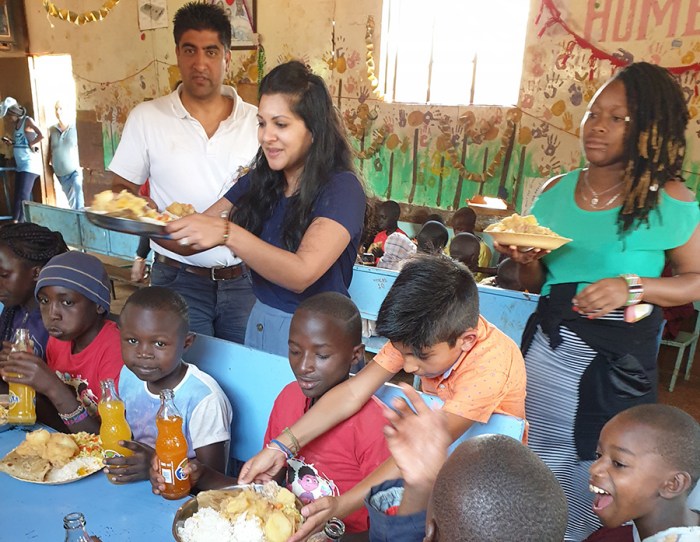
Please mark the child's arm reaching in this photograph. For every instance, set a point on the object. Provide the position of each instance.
(26, 368)
(336, 405)
(122, 470)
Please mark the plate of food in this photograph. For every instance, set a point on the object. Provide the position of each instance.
(54, 458)
(525, 232)
(127, 213)
(254, 513)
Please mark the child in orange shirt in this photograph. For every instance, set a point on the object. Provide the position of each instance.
(431, 318)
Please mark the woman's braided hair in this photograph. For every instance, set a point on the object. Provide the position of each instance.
(36, 245)
(655, 144)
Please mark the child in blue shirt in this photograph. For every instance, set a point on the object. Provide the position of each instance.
(154, 329)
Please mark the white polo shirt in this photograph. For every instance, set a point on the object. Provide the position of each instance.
(162, 142)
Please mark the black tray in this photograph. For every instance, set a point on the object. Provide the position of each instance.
(127, 225)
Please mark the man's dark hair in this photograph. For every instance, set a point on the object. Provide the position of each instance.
(393, 209)
(467, 216)
(434, 299)
(201, 16)
(432, 238)
(158, 298)
(340, 308)
(494, 488)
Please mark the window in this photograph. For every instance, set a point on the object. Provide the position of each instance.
(452, 52)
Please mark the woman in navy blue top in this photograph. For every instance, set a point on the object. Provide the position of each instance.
(296, 217)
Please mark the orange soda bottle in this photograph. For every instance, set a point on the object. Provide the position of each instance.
(114, 426)
(22, 408)
(171, 448)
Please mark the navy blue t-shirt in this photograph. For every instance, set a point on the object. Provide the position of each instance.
(342, 200)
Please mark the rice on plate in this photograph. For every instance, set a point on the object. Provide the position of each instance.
(259, 513)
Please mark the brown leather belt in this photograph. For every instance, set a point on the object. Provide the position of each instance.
(213, 273)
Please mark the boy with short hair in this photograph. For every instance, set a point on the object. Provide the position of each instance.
(432, 238)
(648, 462)
(154, 329)
(73, 292)
(325, 339)
(431, 318)
(464, 221)
(465, 248)
(388, 222)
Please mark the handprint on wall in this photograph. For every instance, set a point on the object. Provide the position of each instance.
(575, 94)
(554, 82)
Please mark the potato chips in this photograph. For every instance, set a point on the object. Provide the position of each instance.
(520, 224)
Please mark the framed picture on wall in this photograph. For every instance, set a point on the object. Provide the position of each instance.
(243, 15)
(5, 30)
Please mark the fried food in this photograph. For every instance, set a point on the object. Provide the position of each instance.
(34, 444)
(275, 508)
(180, 209)
(127, 205)
(520, 224)
(60, 449)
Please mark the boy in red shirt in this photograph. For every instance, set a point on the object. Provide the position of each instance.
(73, 292)
(431, 318)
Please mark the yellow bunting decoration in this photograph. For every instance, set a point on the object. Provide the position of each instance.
(80, 18)
(369, 44)
(373, 148)
(511, 120)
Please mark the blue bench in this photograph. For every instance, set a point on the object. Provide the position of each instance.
(508, 310)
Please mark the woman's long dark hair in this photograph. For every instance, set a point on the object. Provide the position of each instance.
(34, 244)
(329, 153)
(655, 144)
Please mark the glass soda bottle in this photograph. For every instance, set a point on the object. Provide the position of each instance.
(22, 408)
(74, 523)
(114, 426)
(333, 530)
(171, 448)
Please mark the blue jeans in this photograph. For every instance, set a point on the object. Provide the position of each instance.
(72, 185)
(268, 330)
(216, 308)
(24, 182)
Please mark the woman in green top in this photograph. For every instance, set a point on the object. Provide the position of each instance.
(591, 347)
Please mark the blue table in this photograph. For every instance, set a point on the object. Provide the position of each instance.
(127, 513)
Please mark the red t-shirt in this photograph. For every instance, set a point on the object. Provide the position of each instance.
(339, 459)
(100, 360)
(382, 235)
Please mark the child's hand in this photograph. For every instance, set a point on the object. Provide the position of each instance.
(316, 514)
(417, 442)
(122, 470)
(156, 478)
(26, 368)
(264, 466)
(521, 255)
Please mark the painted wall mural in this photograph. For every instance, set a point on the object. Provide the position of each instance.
(423, 156)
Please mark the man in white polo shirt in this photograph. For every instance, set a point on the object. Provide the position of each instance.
(191, 145)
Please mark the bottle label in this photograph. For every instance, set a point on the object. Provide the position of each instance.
(109, 454)
(14, 398)
(167, 471)
(180, 473)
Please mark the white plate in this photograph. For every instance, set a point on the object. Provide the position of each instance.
(529, 240)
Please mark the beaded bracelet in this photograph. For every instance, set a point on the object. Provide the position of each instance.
(295, 443)
(282, 448)
(77, 416)
(635, 288)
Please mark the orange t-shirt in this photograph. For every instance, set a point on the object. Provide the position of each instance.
(488, 378)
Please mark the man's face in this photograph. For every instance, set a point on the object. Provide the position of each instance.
(203, 61)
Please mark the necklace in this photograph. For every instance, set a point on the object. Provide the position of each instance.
(595, 196)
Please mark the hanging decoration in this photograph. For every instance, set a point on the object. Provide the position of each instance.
(377, 142)
(79, 18)
(597, 54)
(512, 118)
(369, 44)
